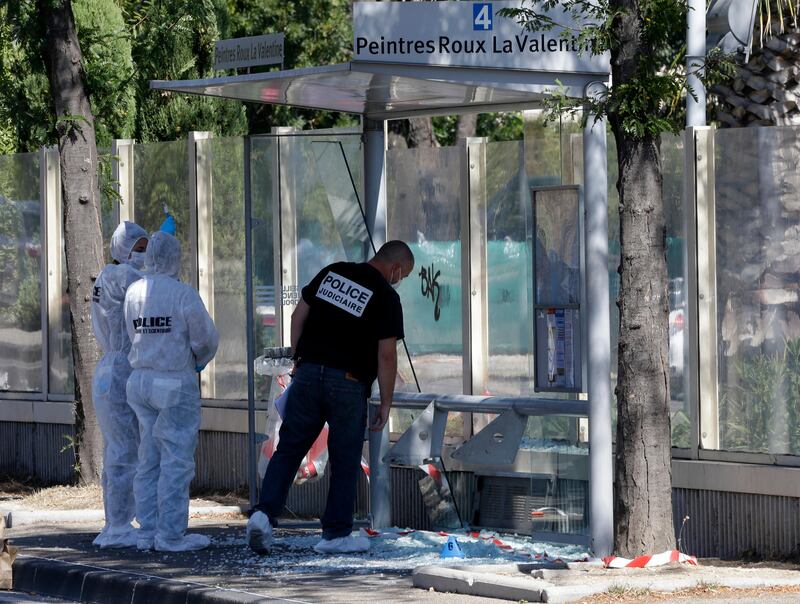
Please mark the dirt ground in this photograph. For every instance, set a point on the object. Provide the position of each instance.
(708, 592)
(21, 496)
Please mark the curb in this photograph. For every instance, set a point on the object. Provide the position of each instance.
(16, 518)
(99, 585)
(480, 584)
(481, 581)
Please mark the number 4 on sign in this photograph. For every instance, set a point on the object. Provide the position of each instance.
(482, 16)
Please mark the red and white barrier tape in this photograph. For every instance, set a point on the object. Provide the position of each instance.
(650, 561)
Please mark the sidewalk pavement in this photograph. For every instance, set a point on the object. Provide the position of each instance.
(58, 560)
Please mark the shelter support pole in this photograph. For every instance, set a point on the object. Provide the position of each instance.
(695, 61)
(380, 478)
(595, 178)
(375, 179)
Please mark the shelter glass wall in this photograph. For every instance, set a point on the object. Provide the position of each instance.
(20, 274)
(757, 205)
(61, 373)
(672, 158)
(318, 190)
(263, 179)
(225, 268)
(672, 165)
(161, 179)
(509, 270)
(423, 209)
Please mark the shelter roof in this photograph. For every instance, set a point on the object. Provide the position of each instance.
(389, 90)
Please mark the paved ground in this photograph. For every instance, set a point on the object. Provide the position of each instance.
(227, 564)
(295, 574)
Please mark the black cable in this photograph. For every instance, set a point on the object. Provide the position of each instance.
(371, 241)
(452, 494)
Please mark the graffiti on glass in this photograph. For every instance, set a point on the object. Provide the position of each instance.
(430, 288)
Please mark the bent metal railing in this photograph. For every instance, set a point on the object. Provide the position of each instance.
(495, 445)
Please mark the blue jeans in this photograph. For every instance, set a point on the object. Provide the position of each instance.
(320, 394)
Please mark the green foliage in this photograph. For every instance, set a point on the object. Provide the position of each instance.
(680, 426)
(760, 410)
(28, 308)
(27, 121)
(26, 116)
(649, 101)
(315, 33)
(494, 126)
(175, 41)
(108, 64)
(125, 44)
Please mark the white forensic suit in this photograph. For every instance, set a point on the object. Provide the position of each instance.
(172, 338)
(116, 418)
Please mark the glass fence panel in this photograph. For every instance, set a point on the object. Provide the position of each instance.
(317, 188)
(263, 182)
(672, 159)
(423, 209)
(60, 367)
(20, 274)
(509, 273)
(672, 166)
(757, 203)
(227, 263)
(161, 179)
(423, 197)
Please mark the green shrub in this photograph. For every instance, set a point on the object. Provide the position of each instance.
(761, 411)
(28, 308)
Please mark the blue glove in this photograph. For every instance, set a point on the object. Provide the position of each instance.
(199, 368)
(168, 226)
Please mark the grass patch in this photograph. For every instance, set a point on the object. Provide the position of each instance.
(627, 592)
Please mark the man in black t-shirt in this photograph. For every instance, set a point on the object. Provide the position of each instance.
(344, 336)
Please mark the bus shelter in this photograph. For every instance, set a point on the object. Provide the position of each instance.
(378, 91)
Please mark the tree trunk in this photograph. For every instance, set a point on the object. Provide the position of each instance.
(82, 234)
(643, 485)
(410, 133)
(467, 125)
(420, 132)
(643, 476)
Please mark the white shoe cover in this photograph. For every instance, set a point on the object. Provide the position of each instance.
(259, 533)
(342, 545)
(116, 539)
(188, 543)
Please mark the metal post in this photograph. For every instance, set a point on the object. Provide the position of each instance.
(190, 260)
(252, 476)
(690, 249)
(695, 61)
(599, 334)
(122, 175)
(707, 288)
(375, 179)
(474, 274)
(51, 221)
(380, 477)
(204, 204)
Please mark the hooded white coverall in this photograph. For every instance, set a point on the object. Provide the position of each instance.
(116, 418)
(172, 337)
